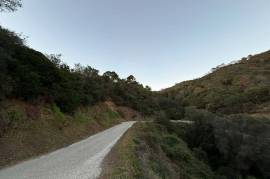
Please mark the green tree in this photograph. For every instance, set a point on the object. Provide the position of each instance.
(111, 75)
(131, 78)
(90, 72)
(55, 59)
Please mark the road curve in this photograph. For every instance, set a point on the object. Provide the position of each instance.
(81, 160)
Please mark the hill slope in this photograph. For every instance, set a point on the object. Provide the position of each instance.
(29, 75)
(243, 86)
(45, 104)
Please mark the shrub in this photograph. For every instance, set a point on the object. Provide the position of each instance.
(174, 148)
(57, 112)
(82, 118)
(14, 116)
(113, 115)
(236, 145)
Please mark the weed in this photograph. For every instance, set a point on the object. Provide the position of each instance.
(14, 116)
(57, 113)
(112, 114)
(82, 118)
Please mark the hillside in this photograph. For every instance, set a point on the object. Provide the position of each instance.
(29, 75)
(37, 129)
(240, 87)
(213, 127)
(45, 104)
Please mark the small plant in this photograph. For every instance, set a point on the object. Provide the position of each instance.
(113, 114)
(14, 116)
(82, 118)
(57, 112)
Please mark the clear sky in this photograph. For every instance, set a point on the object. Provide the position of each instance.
(160, 42)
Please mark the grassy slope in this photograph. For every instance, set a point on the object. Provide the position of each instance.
(37, 129)
(148, 151)
(235, 88)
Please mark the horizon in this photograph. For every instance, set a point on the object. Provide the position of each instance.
(160, 43)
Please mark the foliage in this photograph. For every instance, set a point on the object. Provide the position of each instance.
(10, 5)
(235, 146)
(113, 114)
(14, 116)
(162, 154)
(57, 113)
(29, 75)
(241, 87)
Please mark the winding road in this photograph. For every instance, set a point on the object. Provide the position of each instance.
(80, 160)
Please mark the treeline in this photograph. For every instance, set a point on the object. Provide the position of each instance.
(29, 75)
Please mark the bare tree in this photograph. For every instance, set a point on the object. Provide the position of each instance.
(10, 5)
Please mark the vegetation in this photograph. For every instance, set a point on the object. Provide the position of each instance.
(226, 134)
(215, 146)
(45, 101)
(10, 5)
(234, 146)
(31, 76)
(241, 87)
(28, 130)
(149, 151)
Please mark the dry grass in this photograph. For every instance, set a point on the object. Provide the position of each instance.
(33, 130)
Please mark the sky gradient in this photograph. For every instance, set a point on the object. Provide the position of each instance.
(160, 42)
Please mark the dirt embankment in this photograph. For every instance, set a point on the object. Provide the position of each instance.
(28, 130)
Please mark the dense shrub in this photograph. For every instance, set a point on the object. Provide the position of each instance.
(236, 146)
(162, 154)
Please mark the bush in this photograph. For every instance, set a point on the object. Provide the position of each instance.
(236, 145)
(258, 94)
(14, 116)
(174, 148)
(113, 114)
(57, 112)
(154, 141)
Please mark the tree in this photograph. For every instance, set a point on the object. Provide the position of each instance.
(55, 59)
(111, 75)
(78, 68)
(90, 72)
(148, 88)
(10, 5)
(131, 78)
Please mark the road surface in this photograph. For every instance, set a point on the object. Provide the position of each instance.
(81, 160)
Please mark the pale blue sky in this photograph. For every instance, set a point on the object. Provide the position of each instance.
(160, 42)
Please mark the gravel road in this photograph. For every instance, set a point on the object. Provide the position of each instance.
(81, 160)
